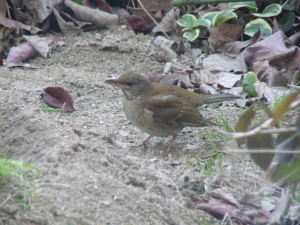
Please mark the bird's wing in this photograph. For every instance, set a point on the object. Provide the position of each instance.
(171, 110)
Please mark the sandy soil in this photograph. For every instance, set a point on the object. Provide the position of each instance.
(89, 172)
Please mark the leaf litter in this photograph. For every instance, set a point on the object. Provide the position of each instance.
(278, 69)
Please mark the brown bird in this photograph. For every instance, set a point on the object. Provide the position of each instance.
(162, 109)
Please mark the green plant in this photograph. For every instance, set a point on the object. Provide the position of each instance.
(223, 122)
(79, 2)
(192, 26)
(27, 194)
(259, 24)
(277, 100)
(295, 192)
(204, 219)
(208, 169)
(247, 82)
(214, 150)
(9, 168)
(220, 17)
(46, 108)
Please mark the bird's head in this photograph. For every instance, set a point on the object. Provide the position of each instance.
(132, 84)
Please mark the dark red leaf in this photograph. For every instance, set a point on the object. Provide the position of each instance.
(219, 209)
(98, 4)
(138, 25)
(55, 97)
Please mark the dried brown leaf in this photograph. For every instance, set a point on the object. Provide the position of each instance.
(223, 34)
(97, 17)
(67, 28)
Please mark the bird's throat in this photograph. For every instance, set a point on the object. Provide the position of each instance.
(135, 93)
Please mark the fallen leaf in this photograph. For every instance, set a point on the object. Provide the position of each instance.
(40, 44)
(272, 48)
(138, 25)
(57, 97)
(67, 28)
(98, 4)
(222, 79)
(21, 53)
(270, 93)
(219, 209)
(237, 47)
(100, 18)
(168, 23)
(223, 34)
(225, 62)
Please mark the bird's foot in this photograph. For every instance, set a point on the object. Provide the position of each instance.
(144, 143)
(166, 153)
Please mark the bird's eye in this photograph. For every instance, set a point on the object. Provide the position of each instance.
(129, 83)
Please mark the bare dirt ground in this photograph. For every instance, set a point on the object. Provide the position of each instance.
(89, 172)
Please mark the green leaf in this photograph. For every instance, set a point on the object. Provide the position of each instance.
(249, 5)
(289, 7)
(270, 10)
(210, 15)
(253, 26)
(187, 20)
(287, 141)
(261, 142)
(283, 106)
(287, 21)
(186, 28)
(222, 17)
(191, 35)
(79, 2)
(287, 173)
(247, 83)
(202, 22)
(244, 122)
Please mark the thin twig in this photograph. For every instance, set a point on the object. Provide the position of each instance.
(263, 151)
(153, 20)
(8, 11)
(294, 86)
(264, 181)
(262, 128)
(256, 131)
(8, 197)
(61, 111)
(285, 3)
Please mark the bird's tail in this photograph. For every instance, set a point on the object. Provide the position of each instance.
(219, 98)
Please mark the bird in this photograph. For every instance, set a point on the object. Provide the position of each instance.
(162, 110)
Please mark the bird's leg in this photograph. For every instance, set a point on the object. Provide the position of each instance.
(170, 146)
(144, 142)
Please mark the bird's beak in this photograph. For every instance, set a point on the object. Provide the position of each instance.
(114, 81)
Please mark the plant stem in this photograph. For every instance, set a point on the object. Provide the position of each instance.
(199, 2)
